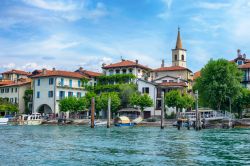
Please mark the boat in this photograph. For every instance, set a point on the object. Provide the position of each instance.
(123, 121)
(33, 119)
(4, 121)
(99, 123)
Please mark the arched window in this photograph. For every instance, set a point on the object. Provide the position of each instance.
(182, 57)
(175, 57)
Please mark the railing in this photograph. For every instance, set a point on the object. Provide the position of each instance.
(209, 115)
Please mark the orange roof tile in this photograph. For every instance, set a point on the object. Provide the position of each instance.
(88, 73)
(197, 74)
(16, 72)
(18, 83)
(125, 63)
(245, 66)
(49, 73)
(173, 84)
(5, 82)
(171, 68)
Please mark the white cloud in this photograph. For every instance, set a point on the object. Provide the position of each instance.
(167, 6)
(54, 5)
(212, 5)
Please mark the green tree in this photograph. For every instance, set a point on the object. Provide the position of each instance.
(141, 101)
(178, 100)
(219, 79)
(102, 101)
(6, 106)
(126, 91)
(88, 96)
(241, 102)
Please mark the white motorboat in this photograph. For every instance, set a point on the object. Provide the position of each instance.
(4, 121)
(33, 119)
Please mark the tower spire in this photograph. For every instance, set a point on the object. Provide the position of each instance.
(178, 42)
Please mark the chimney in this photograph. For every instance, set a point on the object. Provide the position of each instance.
(136, 61)
(54, 69)
(81, 68)
(44, 71)
(244, 56)
(162, 63)
(239, 53)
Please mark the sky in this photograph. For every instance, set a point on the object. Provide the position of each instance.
(67, 34)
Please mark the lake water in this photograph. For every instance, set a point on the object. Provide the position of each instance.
(81, 145)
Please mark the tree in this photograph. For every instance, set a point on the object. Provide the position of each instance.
(178, 100)
(126, 91)
(6, 106)
(241, 102)
(73, 104)
(141, 101)
(102, 101)
(88, 96)
(219, 79)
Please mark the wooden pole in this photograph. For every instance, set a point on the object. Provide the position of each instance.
(93, 112)
(109, 110)
(162, 110)
(196, 111)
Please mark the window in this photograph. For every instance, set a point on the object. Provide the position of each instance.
(239, 62)
(11, 100)
(124, 71)
(79, 94)
(79, 83)
(61, 95)
(38, 82)
(51, 81)
(117, 71)
(38, 94)
(50, 94)
(62, 82)
(130, 71)
(164, 80)
(171, 80)
(70, 94)
(16, 89)
(145, 90)
(2, 90)
(6, 90)
(182, 57)
(111, 72)
(12, 90)
(15, 99)
(139, 70)
(70, 83)
(175, 57)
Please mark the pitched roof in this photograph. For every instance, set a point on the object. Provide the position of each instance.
(126, 63)
(49, 73)
(171, 68)
(197, 74)
(5, 82)
(245, 66)
(88, 73)
(20, 82)
(173, 84)
(16, 72)
(178, 41)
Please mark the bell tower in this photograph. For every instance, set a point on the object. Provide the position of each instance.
(179, 53)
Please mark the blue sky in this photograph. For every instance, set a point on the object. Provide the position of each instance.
(67, 34)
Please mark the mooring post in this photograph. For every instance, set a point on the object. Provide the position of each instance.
(196, 111)
(162, 110)
(109, 110)
(93, 112)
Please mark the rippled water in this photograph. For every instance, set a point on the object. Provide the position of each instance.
(81, 145)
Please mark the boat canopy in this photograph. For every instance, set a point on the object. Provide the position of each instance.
(122, 119)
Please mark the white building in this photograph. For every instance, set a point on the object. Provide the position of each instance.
(50, 86)
(14, 93)
(126, 67)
